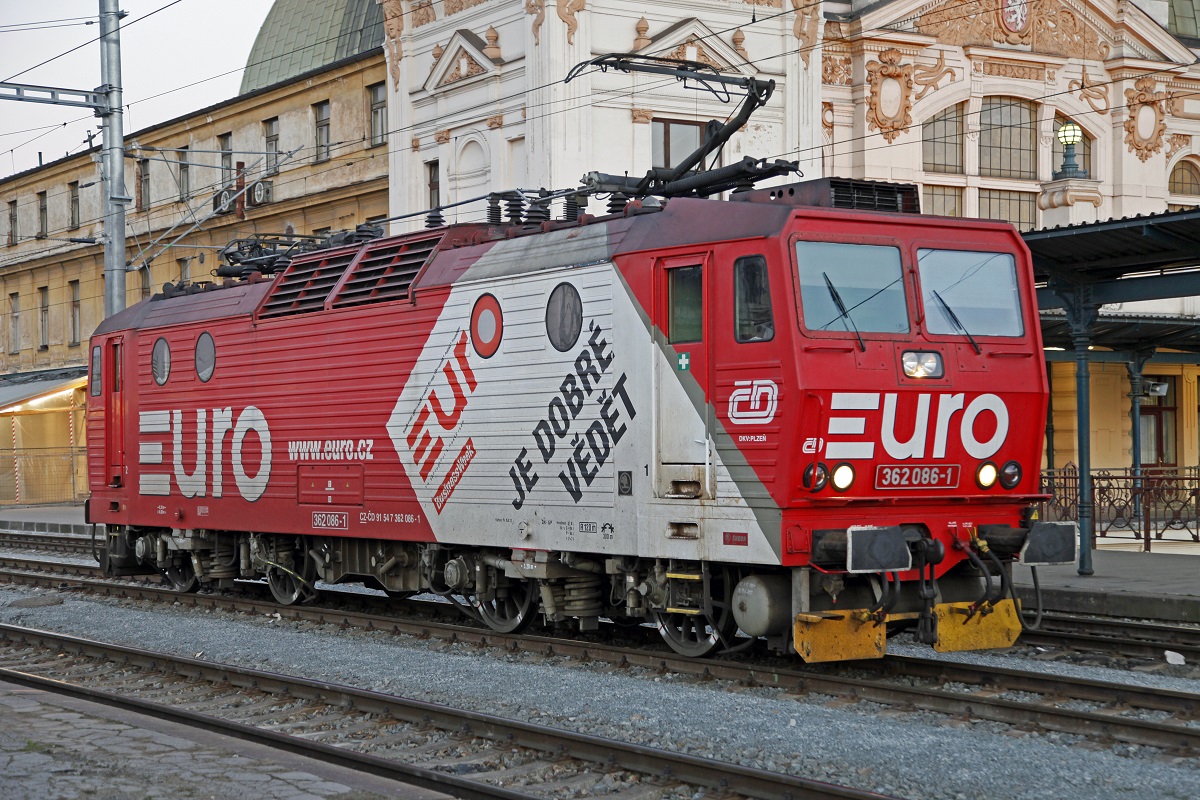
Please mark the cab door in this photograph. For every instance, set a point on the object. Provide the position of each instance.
(114, 410)
(682, 412)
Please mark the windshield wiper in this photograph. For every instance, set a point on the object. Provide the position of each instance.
(954, 318)
(837, 300)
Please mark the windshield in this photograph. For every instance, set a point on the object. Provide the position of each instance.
(979, 289)
(856, 288)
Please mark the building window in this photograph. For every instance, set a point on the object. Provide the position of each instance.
(1007, 138)
(143, 184)
(185, 269)
(433, 176)
(942, 141)
(271, 133)
(43, 317)
(43, 228)
(12, 222)
(76, 317)
(1185, 180)
(185, 178)
(225, 145)
(14, 322)
(378, 97)
(73, 191)
(1019, 208)
(145, 273)
(945, 201)
(674, 141)
(321, 117)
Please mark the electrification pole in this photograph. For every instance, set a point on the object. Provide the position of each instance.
(105, 100)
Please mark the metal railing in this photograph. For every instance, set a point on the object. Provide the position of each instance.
(43, 475)
(1145, 506)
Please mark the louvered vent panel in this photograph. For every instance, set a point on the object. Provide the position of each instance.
(874, 196)
(306, 282)
(386, 272)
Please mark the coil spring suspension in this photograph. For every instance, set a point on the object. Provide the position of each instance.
(221, 560)
(580, 596)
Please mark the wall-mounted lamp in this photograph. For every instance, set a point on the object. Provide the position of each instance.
(1069, 135)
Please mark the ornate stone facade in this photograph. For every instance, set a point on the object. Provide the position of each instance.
(567, 9)
(804, 27)
(1044, 26)
(1095, 94)
(455, 6)
(423, 13)
(1144, 128)
(928, 78)
(537, 8)
(890, 104)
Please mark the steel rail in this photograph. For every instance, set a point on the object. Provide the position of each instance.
(663, 764)
(58, 542)
(809, 680)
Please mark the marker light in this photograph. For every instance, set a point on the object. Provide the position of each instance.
(986, 475)
(922, 364)
(1010, 474)
(815, 477)
(843, 476)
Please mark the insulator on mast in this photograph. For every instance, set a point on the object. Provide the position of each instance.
(493, 209)
(434, 218)
(571, 209)
(617, 202)
(514, 206)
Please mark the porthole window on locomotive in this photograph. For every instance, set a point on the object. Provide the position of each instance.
(487, 325)
(160, 361)
(206, 356)
(564, 317)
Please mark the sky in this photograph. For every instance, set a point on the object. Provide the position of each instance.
(179, 43)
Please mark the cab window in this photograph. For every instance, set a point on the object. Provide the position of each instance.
(753, 320)
(95, 373)
(851, 287)
(685, 296)
(970, 293)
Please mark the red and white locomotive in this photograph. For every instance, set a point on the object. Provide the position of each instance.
(764, 413)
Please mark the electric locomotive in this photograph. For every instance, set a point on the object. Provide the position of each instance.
(765, 414)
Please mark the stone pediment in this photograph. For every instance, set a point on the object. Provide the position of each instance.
(1070, 29)
(674, 41)
(462, 59)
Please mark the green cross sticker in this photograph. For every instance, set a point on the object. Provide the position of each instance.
(684, 360)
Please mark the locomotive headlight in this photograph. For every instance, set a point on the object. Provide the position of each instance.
(1010, 474)
(842, 477)
(815, 477)
(986, 475)
(922, 364)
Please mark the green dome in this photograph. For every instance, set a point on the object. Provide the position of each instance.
(299, 36)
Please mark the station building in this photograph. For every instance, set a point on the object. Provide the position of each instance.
(358, 110)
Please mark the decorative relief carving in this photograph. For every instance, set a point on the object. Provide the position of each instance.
(641, 40)
(455, 6)
(928, 78)
(1176, 102)
(567, 9)
(890, 104)
(496, 121)
(771, 3)
(835, 69)
(1083, 191)
(642, 116)
(393, 27)
(1145, 127)
(441, 137)
(465, 67)
(702, 55)
(492, 50)
(438, 52)
(1178, 141)
(423, 13)
(416, 143)
(804, 26)
(1045, 26)
(1096, 94)
(1009, 69)
(827, 120)
(538, 9)
(739, 44)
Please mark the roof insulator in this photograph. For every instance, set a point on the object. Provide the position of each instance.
(434, 218)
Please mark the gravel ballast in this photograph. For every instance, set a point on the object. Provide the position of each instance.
(910, 754)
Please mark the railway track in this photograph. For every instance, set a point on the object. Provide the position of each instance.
(463, 753)
(51, 542)
(1101, 711)
(1134, 639)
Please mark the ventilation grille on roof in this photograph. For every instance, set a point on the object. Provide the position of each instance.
(874, 196)
(306, 282)
(385, 271)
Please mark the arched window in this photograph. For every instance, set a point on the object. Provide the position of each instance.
(1185, 180)
(942, 141)
(1008, 138)
(1083, 150)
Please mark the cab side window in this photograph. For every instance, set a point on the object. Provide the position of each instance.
(95, 375)
(685, 297)
(753, 319)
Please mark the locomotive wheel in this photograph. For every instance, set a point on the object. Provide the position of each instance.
(181, 576)
(698, 635)
(289, 586)
(512, 610)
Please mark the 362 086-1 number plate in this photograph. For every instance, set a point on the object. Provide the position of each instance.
(916, 476)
